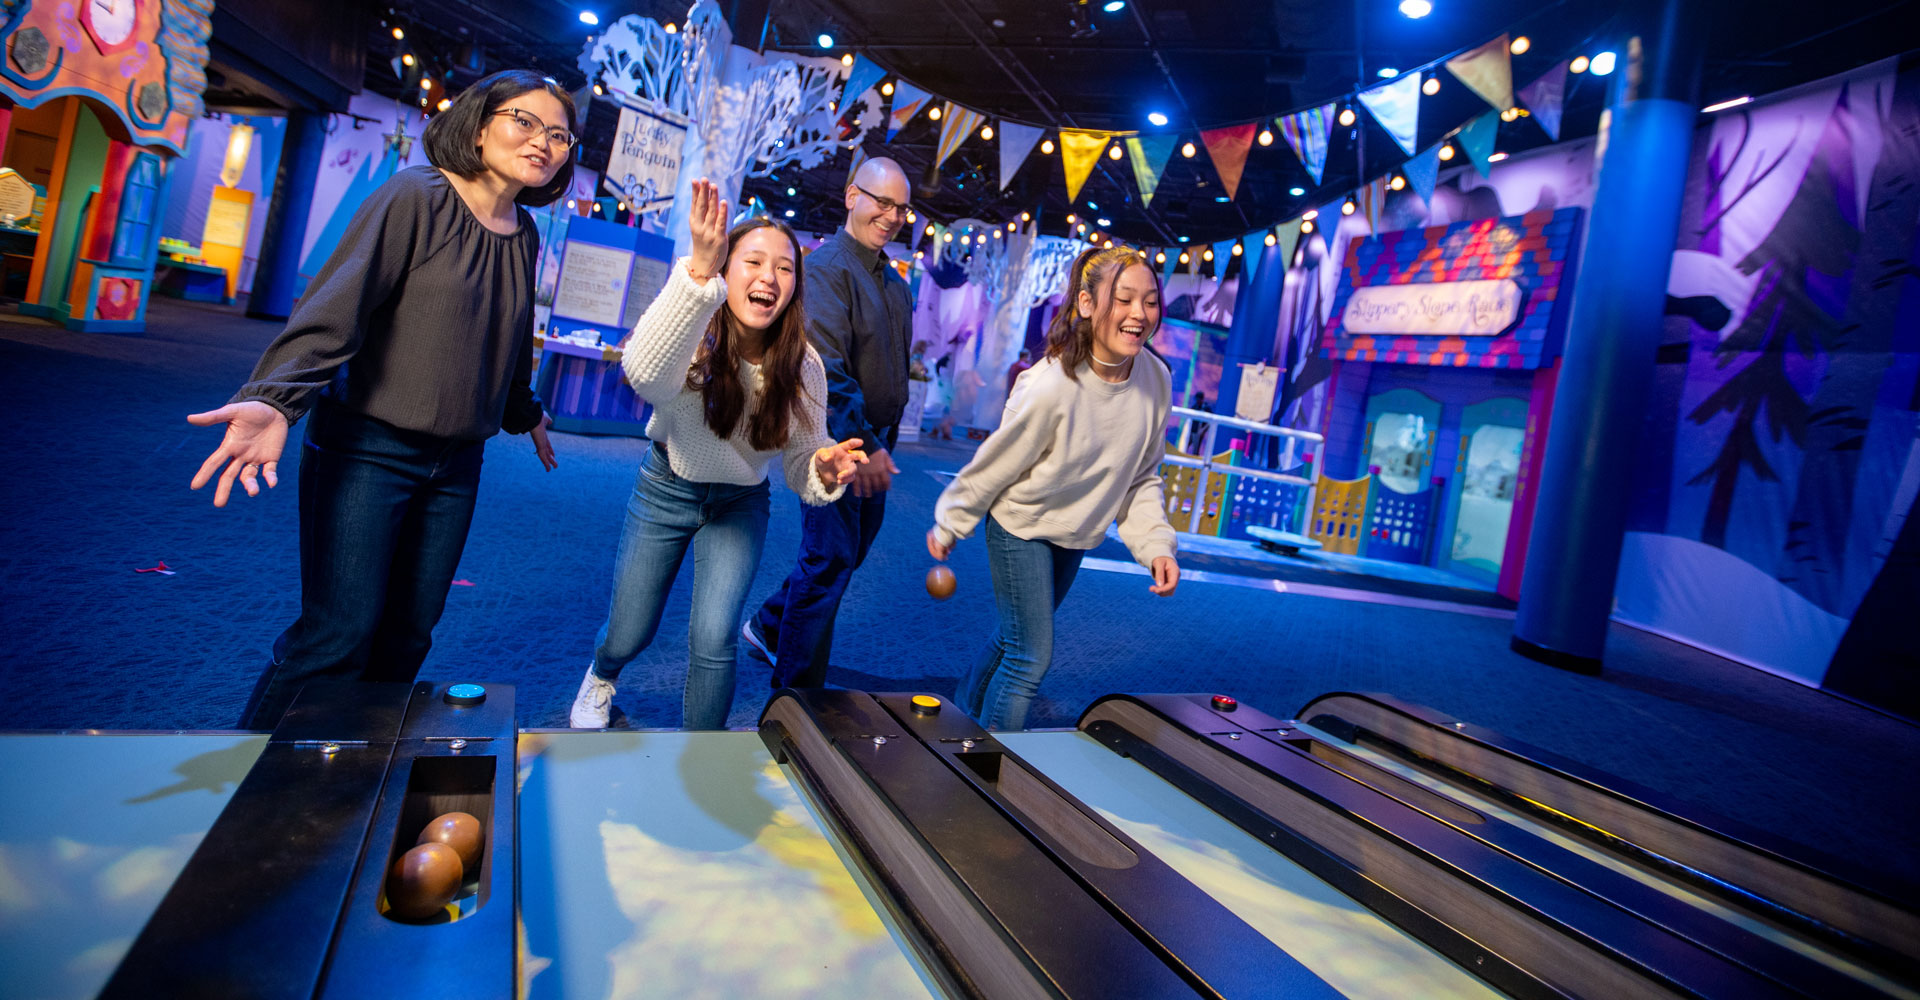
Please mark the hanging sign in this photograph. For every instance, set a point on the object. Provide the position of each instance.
(644, 165)
(1447, 308)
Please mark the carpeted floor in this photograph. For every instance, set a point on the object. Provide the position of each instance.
(98, 458)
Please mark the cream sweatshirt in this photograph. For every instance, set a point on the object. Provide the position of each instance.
(656, 358)
(1068, 459)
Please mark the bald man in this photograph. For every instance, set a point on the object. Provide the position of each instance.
(860, 318)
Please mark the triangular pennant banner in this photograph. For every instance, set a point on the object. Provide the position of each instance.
(939, 241)
(1477, 139)
(1328, 222)
(1255, 244)
(1228, 148)
(1396, 106)
(908, 100)
(1167, 266)
(1079, 151)
(1288, 237)
(1487, 71)
(1544, 97)
(1016, 141)
(1373, 200)
(863, 75)
(955, 126)
(1149, 155)
(1423, 171)
(1222, 256)
(1307, 132)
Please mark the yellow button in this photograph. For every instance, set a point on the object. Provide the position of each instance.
(926, 704)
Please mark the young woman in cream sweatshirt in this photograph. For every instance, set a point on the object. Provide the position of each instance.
(1079, 447)
(722, 355)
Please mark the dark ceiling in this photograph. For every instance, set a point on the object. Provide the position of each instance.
(1058, 63)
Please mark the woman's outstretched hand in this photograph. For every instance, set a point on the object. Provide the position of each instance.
(708, 219)
(834, 465)
(542, 446)
(256, 433)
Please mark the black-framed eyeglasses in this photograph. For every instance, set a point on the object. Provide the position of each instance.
(887, 205)
(529, 125)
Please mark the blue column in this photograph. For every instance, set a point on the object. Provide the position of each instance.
(1256, 317)
(1566, 593)
(277, 278)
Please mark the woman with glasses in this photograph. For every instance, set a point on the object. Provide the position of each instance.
(722, 355)
(1079, 447)
(412, 347)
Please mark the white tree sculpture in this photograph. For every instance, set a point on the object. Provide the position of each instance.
(635, 55)
(814, 134)
(1016, 271)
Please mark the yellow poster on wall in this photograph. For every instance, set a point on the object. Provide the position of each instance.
(223, 243)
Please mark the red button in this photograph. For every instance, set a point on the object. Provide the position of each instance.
(1224, 703)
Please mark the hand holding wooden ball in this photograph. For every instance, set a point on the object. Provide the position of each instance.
(460, 831)
(424, 881)
(940, 582)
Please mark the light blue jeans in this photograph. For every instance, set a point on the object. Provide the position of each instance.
(1029, 580)
(726, 525)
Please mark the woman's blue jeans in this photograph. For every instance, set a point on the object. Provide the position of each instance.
(726, 525)
(384, 514)
(1029, 580)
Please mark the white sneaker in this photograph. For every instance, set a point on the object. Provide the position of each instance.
(591, 705)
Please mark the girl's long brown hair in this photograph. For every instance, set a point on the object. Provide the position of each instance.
(1097, 271)
(716, 366)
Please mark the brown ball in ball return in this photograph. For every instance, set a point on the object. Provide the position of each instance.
(424, 881)
(940, 582)
(460, 831)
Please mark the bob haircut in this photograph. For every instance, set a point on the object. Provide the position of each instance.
(451, 135)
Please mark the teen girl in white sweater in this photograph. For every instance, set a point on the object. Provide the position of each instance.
(1079, 446)
(722, 355)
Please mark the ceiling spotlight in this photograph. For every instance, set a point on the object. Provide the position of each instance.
(589, 18)
(1160, 258)
(1431, 87)
(1221, 199)
(1114, 6)
(933, 114)
(1184, 257)
(886, 89)
(1046, 145)
(1496, 158)
(1306, 225)
(792, 191)
(1578, 65)
(399, 33)
(1113, 152)
(1387, 73)
(1346, 116)
(825, 40)
(1296, 191)
(1398, 183)
(1187, 151)
(1184, 239)
(1104, 223)
(1724, 105)
(986, 132)
(1603, 63)
(1416, 9)
(1157, 118)
(1347, 207)
(1520, 45)
(1091, 205)
(1311, 214)
(1272, 239)
(1236, 250)
(846, 59)
(1446, 151)
(1266, 137)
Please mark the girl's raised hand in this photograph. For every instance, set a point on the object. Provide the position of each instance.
(708, 220)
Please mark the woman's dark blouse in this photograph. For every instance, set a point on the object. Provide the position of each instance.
(422, 318)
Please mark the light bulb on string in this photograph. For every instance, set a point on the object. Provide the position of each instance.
(1187, 151)
(671, 28)
(1398, 183)
(399, 33)
(1266, 137)
(1346, 116)
(986, 132)
(1306, 225)
(1160, 257)
(846, 60)
(598, 91)
(1272, 239)
(1237, 250)
(886, 89)
(1311, 214)
(1026, 216)
(1113, 152)
(1578, 65)
(1520, 45)
(1446, 151)
(946, 237)
(406, 58)
(1071, 218)
(1046, 146)
(1184, 257)
(1431, 87)
(1347, 207)
(929, 229)
(933, 114)
(1207, 254)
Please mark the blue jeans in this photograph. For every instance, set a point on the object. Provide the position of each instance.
(1029, 580)
(384, 514)
(726, 524)
(797, 620)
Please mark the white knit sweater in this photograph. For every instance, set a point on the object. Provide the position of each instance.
(1071, 456)
(656, 358)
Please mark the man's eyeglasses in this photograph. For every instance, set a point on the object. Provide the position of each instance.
(887, 205)
(529, 126)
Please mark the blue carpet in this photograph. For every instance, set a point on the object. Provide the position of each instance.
(99, 456)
